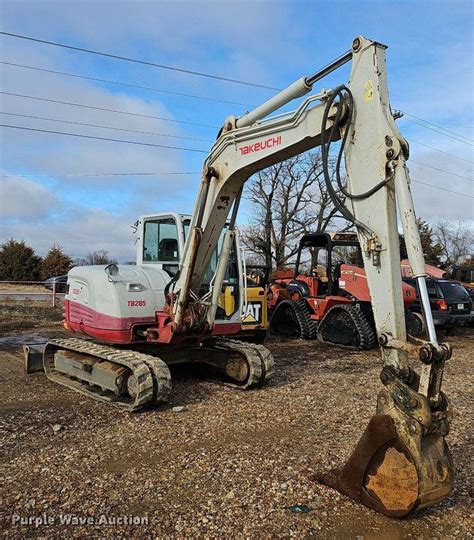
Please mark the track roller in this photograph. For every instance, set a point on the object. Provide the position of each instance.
(125, 379)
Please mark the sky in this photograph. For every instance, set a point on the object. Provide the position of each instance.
(58, 190)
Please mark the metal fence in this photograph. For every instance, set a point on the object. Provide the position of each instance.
(53, 292)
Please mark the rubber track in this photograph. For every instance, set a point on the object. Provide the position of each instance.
(311, 326)
(161, 376)
(136, 362)
(307, 327)
(362, 325)
(266, 358)
(257, 370)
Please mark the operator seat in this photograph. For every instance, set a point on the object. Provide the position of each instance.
(168, 249)
(322, 276)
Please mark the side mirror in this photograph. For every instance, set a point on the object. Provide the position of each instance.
(111, 270)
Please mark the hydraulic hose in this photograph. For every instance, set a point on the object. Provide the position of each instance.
(342, 92)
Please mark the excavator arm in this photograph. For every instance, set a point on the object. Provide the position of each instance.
(402, 462)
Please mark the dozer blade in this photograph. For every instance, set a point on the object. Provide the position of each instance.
(33, 354)
(401, 463)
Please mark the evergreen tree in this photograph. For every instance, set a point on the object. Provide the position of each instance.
(18, 262)
(432, 250)
(56, 263)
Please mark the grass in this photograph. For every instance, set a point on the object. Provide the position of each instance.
(23, 315)
(17, 287)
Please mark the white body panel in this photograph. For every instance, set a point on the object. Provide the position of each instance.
(114, 296)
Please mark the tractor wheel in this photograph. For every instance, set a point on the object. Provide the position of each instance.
(346, 325)
(292, 319)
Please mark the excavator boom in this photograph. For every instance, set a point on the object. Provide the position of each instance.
(402, 462)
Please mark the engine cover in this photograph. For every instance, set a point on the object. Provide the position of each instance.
(113, 308)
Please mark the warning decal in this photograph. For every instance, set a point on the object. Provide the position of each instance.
(368, 90)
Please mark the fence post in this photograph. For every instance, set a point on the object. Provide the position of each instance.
(54, 293)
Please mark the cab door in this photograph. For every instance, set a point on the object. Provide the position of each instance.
(161, 241)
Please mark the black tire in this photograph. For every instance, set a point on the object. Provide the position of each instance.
(347, 326)
(415, 323)
(293, 320)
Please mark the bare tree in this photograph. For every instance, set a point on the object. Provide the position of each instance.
(100, 256)
(456, 240)
(288, 199)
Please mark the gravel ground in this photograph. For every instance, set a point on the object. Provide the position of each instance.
(226, 465)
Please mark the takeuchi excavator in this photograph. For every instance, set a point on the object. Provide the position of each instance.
(402, 462)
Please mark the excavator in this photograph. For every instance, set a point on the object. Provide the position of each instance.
(401, 463)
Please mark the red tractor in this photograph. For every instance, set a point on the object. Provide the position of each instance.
(330, 301)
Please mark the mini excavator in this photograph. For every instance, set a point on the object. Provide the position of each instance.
(402, 462)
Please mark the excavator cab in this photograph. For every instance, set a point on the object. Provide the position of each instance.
(162, 239)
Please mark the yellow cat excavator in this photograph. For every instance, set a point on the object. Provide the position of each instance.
(401, 463)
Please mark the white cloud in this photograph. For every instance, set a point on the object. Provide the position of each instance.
(257, 41)
(79, 231)
(444, 172)
(23, 199)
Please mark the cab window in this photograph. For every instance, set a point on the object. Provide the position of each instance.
(160, 242)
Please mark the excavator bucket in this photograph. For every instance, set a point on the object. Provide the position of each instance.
(401, 463)
(33, 355)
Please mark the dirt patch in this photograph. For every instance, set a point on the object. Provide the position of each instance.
(228, 465)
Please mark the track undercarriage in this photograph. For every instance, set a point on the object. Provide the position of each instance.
(132, 380)
(292, 319)
(344, 325)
